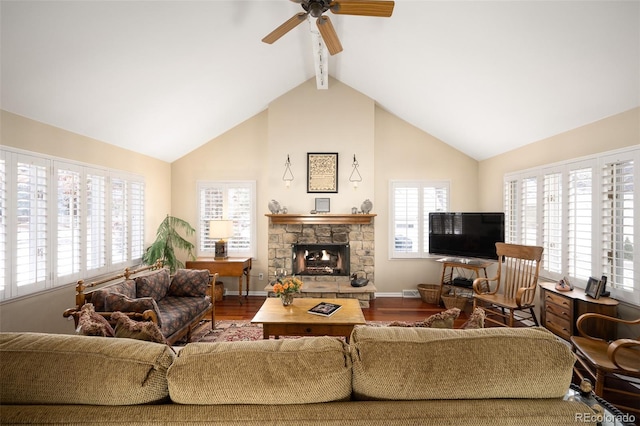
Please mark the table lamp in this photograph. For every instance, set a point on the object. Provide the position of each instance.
(220, 230)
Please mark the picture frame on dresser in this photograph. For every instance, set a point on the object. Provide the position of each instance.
(593, 288)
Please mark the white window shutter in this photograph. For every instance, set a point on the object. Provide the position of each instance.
(580, 223)
(617, 195)
(552, 222)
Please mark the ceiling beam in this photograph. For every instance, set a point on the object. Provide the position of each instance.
(320, 57)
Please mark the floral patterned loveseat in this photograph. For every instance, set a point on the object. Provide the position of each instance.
(174, 303)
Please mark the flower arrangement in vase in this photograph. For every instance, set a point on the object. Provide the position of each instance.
(286, 287)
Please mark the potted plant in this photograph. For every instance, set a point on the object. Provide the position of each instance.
(168, 239)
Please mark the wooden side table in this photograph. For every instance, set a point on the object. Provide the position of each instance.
(477, 268)
(560, 310)
(230, 267)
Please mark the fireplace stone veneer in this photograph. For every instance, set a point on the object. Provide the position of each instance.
(359, 237)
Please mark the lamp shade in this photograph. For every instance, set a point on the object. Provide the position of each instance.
(220, 229)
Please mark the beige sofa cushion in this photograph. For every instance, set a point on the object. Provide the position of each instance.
(288, 371)
(70, 369)
(391, 363)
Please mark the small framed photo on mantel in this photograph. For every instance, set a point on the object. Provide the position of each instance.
(323, 205)
(322, 172)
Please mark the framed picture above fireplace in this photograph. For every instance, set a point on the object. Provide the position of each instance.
(322, 172)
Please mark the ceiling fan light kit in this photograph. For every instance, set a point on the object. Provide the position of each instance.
(316, 8)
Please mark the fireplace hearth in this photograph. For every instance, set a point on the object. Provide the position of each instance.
(329, 259)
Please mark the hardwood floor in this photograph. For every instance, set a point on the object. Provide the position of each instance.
(381, 309)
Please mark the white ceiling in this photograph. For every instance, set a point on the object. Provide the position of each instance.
(162, 77)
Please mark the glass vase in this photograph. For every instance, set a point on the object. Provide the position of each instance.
(286, 299)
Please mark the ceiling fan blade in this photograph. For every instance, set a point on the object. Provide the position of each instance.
(290, 24)
(329, 35)
(381, 8)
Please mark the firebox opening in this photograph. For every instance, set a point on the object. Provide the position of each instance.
(321, 259)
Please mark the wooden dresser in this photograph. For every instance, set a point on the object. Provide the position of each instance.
(560, 310)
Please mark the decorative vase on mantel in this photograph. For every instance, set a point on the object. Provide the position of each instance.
(286, 299)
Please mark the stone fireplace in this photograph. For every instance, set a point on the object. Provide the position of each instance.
(325, 259)
(356, 238)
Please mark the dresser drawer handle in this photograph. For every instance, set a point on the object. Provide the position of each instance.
(307, 330)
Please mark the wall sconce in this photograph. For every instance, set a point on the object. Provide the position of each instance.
(287, 177)
(355, 174)
(220, 230)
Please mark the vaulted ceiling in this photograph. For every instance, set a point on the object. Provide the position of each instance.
(164, 77)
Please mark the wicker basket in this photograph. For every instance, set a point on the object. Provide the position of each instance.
(429, 293)
(454, 301)
(218, 291)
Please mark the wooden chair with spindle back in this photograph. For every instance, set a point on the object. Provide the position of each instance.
(518, 270)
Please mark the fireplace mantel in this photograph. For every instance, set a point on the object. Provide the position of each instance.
(321, 219)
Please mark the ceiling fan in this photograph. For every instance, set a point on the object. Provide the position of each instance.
(316, 8)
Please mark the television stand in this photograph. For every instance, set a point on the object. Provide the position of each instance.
(455, 265)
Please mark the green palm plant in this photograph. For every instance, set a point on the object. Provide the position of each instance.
(168, 239)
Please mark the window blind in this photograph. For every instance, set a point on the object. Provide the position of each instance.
(62, 220)
(617, 195)
(230, 200)
(411, 203)
(552, 222)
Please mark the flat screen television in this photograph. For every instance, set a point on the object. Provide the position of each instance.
(465, 234)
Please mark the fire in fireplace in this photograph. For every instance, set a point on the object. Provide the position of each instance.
(321, 259)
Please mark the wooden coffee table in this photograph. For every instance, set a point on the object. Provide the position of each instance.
(294, 320)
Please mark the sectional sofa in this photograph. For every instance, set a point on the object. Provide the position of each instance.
(385, 376)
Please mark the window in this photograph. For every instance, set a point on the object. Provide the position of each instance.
(233, 201)
(54, 226)
(587, 226)
(552, 221)
(580, 223)
(411, 203)
(617, 232)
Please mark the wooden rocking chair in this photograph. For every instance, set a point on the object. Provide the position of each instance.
(610, 364)
(518, 269)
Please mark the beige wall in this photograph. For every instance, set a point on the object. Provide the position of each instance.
(43, 312)
(405, 152)
(619, 131)
(239, 154)
(338, 120)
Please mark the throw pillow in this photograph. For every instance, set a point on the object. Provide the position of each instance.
(476, 319)
(406, 324)
(126, 287)
(440, 320)
(120, 302)
(154, 284)
(443, 319)
(92, 324)
(139, 330)
(190, 282)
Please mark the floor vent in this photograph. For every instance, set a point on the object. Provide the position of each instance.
(410, 294)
